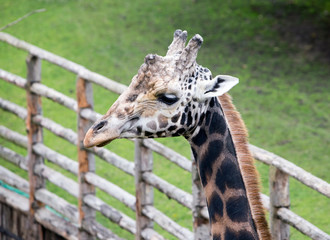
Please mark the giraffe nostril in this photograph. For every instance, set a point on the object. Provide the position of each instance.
(99, 126)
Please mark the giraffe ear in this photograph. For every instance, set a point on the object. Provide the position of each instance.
(217, 86)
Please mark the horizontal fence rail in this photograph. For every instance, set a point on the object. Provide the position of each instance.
(79, 221)
(64, 63)
(291, 169)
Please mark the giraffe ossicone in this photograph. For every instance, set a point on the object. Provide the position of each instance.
(174, 96)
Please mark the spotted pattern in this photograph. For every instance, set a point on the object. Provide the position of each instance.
(215, 207)
(200, 121)
(228, 175)
(214, 151)
(152, 125)
(206, 164)
(162, 121)
(230, 234)
(217, 125)
(237, 209)
(200, 138)
(230, 145)
(175, 118)
(215, 156)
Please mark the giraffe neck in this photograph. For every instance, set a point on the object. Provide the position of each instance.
(215, 156)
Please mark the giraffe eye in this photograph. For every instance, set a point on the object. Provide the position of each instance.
(168, 99)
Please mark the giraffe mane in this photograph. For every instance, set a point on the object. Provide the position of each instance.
(246, 164)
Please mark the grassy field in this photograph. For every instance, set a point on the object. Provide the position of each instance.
(282, 96)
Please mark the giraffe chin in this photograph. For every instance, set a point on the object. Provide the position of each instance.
(104, 143)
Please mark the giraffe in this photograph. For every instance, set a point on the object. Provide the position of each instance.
(174, 96)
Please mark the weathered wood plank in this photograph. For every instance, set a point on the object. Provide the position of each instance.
(167, 223)
(1, 211)
(58, 179)
(168, 189)
(65, 133)
(296, 221)
(301, 224)
(265, 201)
(90, 114)
(13, 108)
(59, 204)
(56, 224)
(70, 136)
(41, 121)
(34, 132)
(123, 196)
(99, 231)
(13, 136)
(86, 159)
(13, 219)
(291, 169)
(279, 198)
(14, 180)
(40, 89)
(57, 158)
(6, 219)
(150, 234)
(39, 148)
(55, 96)
(64, 63)
(14, 200)
(12, 78)
(201, 224)
(13, 157)
(111, 189)
(121, 219)
(115, 160)
(143, 192)
(6, 222)
(168, 153)
(49, 124)
(112, 214)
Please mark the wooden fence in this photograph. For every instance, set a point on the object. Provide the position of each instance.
(79, 222)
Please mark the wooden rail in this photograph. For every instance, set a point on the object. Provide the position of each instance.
(79, 221)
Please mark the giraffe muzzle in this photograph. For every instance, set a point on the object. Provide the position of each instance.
(101, 133)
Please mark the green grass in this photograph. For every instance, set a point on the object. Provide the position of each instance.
(282, 96)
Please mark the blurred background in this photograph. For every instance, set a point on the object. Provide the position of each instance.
(280, 51)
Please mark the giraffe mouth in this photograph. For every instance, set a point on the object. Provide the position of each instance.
(104, 143)
(105, 131)
(96, 140)
(95, 137)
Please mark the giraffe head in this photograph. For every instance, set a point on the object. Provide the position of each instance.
(165, 98)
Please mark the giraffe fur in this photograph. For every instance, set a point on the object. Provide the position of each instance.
(246, 163)
(174, 96)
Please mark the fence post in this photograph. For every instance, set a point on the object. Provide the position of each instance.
(144, 192)
(86, 160)
(200, 224)
(279, 198)
(35, 135)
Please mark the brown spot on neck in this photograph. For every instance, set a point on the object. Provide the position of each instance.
(221, 176)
